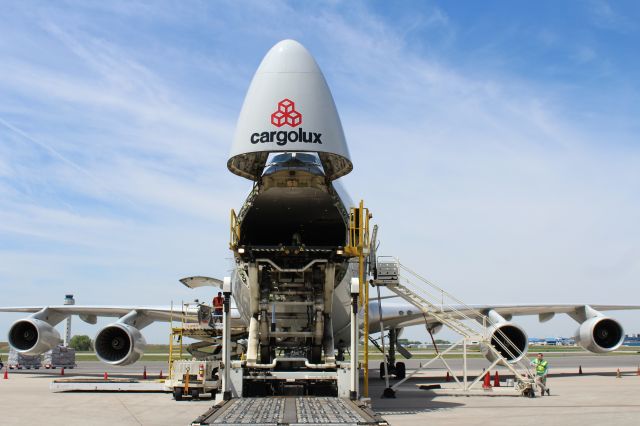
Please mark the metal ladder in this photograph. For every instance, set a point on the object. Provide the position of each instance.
(471, 324)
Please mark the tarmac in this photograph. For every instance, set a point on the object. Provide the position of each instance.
(596, 397)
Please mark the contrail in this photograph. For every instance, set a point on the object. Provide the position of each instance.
(55, 153)
(51, 150)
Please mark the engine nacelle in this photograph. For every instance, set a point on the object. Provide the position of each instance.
(32, 336)
(600, 334)
(509, 339)
(119, 344)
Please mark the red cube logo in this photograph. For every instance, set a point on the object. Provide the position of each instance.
(294, 118)
(278, 119)
(286, 106)
(286, 114)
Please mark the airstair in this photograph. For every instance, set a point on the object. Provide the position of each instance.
(472, 325)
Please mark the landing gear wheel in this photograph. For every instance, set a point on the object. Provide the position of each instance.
(382, 370)
(195, 394)
(401, 370)
(178, 393)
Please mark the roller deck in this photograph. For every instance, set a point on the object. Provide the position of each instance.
(291, 411)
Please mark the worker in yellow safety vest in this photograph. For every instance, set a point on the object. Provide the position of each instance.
(542, 368)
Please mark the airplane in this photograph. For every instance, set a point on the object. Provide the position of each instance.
(291, 280)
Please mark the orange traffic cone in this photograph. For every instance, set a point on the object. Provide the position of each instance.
(62, 371)
(496, 380)
(487, 381)
(144, 373)
(580, 370)
(447, 378)
(161, 374)
(6, 373)
(106, 376)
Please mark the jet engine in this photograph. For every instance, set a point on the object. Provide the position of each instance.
(509, 339)
(32, 336)
(600, 334)
(119, 344)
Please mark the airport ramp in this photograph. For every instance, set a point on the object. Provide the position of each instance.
(290, 411)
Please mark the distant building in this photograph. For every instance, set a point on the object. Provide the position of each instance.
(631, 340)
(552, 341)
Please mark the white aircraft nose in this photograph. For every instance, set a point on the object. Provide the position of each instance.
(288, 56)
(288, 108)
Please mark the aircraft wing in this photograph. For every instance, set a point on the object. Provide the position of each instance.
(404, 314)
(155, 313)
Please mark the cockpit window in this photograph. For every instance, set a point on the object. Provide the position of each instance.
(294, 160)
(308, 158)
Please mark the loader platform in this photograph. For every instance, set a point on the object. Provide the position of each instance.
(290, 411)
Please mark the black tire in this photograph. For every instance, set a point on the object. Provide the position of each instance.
(401, 370)
(178, 393)
(382, 370)
(195, 394)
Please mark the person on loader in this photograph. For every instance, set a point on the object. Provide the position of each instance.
(218, 303)
(542, 368)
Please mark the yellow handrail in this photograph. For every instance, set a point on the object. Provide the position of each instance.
(234, 239)
(358, 242)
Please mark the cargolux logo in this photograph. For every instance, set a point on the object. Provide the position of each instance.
(286, 114)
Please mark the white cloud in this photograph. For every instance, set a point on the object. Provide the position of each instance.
(603, 15)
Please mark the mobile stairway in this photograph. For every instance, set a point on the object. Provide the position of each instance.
(499, 340)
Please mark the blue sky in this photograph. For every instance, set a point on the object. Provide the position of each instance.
(495, 142)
